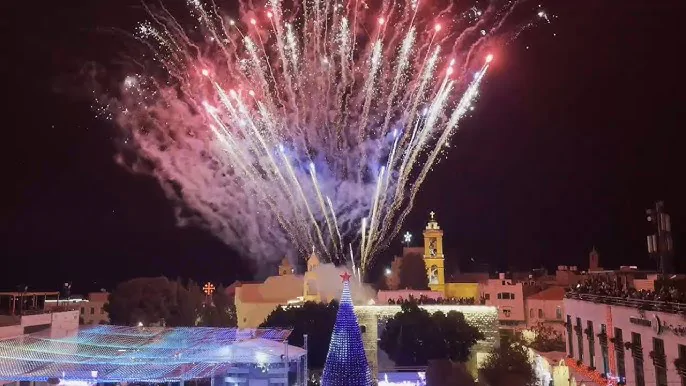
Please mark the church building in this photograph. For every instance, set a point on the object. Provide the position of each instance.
(434, 259)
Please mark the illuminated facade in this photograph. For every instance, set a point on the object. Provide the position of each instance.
(433, 255)
(255, 301)
(372, 318)
(638, 342)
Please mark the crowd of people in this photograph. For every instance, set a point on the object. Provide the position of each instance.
(613, 288)
(425, 300)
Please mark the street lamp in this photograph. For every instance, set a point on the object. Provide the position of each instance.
(388, 272)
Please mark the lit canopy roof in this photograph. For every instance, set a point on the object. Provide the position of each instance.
(119, 354)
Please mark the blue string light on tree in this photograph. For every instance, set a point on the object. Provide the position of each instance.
(346, 363)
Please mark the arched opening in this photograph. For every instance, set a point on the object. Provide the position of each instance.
(433, 274)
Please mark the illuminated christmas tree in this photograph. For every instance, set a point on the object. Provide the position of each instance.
(346, 363)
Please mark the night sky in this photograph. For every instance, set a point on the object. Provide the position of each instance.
(572, 139)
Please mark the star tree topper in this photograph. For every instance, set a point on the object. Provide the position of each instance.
(346, 277)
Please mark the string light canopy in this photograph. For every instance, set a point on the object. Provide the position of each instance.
(138, 354)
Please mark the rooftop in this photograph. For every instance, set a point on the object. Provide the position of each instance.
(550, 293)
(133, 354)
(643, 304)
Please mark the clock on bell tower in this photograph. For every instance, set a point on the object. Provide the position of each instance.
(433, 254)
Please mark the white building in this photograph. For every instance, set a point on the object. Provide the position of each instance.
(508, 296)
(59, 324)
(632, 341)
(546, 307)
(91, 309)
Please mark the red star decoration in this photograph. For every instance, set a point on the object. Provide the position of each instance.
(345, 276)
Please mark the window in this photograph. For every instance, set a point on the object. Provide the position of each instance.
(580, 339)
(619, 350)
(638, 369)
(591, 343)
(92, 310)
(433, 275)
(507, 312)
(540, 313)
(487, 296)
(83, 310)
(311, 287)
(682, 356)
(531, 312)
(511, 296)
(638, 360)
(558, 313)
(570, 341)
(604, 351)
(659, 362)
(363, 328)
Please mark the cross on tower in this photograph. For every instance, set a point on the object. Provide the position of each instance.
(208, 289)
(432, 214)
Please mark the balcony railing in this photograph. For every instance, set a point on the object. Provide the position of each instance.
(654, 305)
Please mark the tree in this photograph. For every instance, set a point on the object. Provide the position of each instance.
(159, 301)
(220, 312)
(443, 372)
(188, 304)
(413, 336)
(141, 300)
(314, 319)
(546, 339)
(508, 365)
(413, 272)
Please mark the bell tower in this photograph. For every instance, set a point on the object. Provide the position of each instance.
(310, 290)
(433, 254)
(285, 267)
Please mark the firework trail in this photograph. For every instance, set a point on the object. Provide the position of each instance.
(301, 126)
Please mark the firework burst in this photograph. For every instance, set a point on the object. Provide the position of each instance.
(309, 125)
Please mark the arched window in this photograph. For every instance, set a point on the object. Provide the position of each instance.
(540, 313)
(363, 328)
(311, 287)
(433, 275)
(558, 313)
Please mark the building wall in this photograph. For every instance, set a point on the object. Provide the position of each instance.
(59, 323)
(644, 284)
(64, 324)
(252, 315)
(11, 331)
(93, 312)
(91, 309)
(462, 290)
(627, 319)
(254, 302)
(552, 311)
(509, 310)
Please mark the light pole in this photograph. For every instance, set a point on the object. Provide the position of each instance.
(660, 246)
